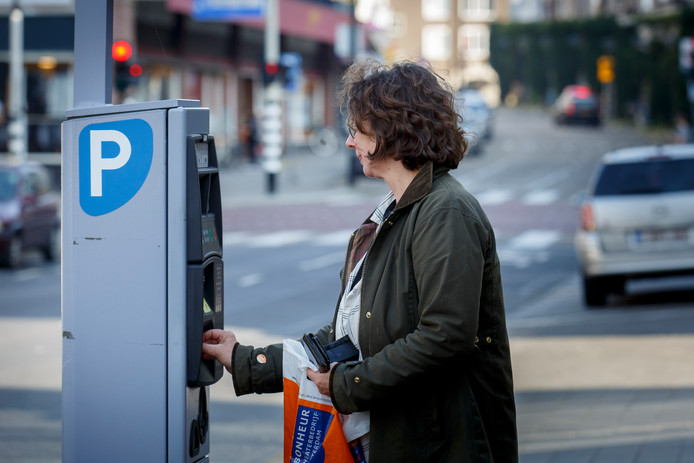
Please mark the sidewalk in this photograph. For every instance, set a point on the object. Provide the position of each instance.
(305, 178)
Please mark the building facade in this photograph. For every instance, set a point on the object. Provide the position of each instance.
(48, 36)
(218, 62)
(452, 35)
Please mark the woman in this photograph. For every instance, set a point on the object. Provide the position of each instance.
(424, 304)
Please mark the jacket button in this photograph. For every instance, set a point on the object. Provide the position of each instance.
(368, 314)
(357, 379)
(477, 339)
(489, 340)
(331, 331)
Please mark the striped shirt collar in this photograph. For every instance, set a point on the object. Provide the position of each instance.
(382, 210)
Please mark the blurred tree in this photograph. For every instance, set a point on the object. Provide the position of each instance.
(542, 58)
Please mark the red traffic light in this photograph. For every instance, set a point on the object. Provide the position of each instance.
(121, 51)
(135, 70)
(271, 68)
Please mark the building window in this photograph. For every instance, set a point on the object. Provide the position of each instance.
(436, 42)
(477, 10)
(436, 10)
(399, 25)
(473, 42)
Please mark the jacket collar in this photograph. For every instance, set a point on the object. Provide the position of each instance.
(420, 185)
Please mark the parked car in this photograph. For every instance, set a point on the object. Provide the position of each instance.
(636, 219)
(577, 104)
(477, 118)
(478, 114)
(29, 212)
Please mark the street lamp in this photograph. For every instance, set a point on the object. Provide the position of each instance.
(17, 126)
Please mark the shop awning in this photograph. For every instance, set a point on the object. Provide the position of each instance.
(297, 18)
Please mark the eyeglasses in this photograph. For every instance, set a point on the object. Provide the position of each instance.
(351, 132)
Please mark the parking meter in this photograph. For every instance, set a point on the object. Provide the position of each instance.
(142, 279)
(205, 278)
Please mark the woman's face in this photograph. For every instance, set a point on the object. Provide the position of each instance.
(364, 145)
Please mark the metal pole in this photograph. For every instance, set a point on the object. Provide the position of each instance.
(272, 113)
(353, 32)
(17, 127)
(93, 78)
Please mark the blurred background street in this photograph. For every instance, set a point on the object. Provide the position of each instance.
(613, 384)
(546, 88)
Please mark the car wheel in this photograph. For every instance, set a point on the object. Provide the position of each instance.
(13, 257)
(52, 249)
(594, 291)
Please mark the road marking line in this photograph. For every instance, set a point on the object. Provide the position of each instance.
(278, 239)
(534, 240)
(541, 197)
(249, 280)
(26, 275)
(494, 197)
(552, 178)
(336, 238)
(322, 261)
(235, 238)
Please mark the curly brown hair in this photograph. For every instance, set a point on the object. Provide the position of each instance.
(408, 109)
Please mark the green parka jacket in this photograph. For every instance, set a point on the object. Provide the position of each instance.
(436, 375)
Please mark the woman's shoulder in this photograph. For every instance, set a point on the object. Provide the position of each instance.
(448, 189)
(448, 193)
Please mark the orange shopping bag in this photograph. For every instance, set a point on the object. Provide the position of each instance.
(312, 430)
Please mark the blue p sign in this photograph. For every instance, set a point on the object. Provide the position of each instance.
(114, 160)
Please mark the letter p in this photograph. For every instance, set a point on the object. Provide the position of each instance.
(98, 164)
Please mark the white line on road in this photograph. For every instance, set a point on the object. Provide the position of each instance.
(249, 280)
(26, 275)
(279, 238)
(494, 197)
(540, 197)
(552, 178)
(322, 261)
(336, 238)
(534, 240)
(235, 238)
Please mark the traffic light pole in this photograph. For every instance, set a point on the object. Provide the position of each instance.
(17, 124)
(686, 65)
(272, 112)
(93, 70)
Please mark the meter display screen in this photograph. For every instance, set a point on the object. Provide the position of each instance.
(209, 234)
(211, 241)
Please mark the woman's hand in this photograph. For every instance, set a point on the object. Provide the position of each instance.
(322, 380)
(218, 344)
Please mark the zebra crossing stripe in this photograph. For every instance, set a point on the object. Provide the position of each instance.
(541, 197)
(494, 197)
(534, 240)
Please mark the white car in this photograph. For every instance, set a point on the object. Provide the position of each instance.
(637, 219)
(477, 118)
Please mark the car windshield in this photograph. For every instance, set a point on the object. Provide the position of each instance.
(585, 102)
(8, 184)
(655, 176)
